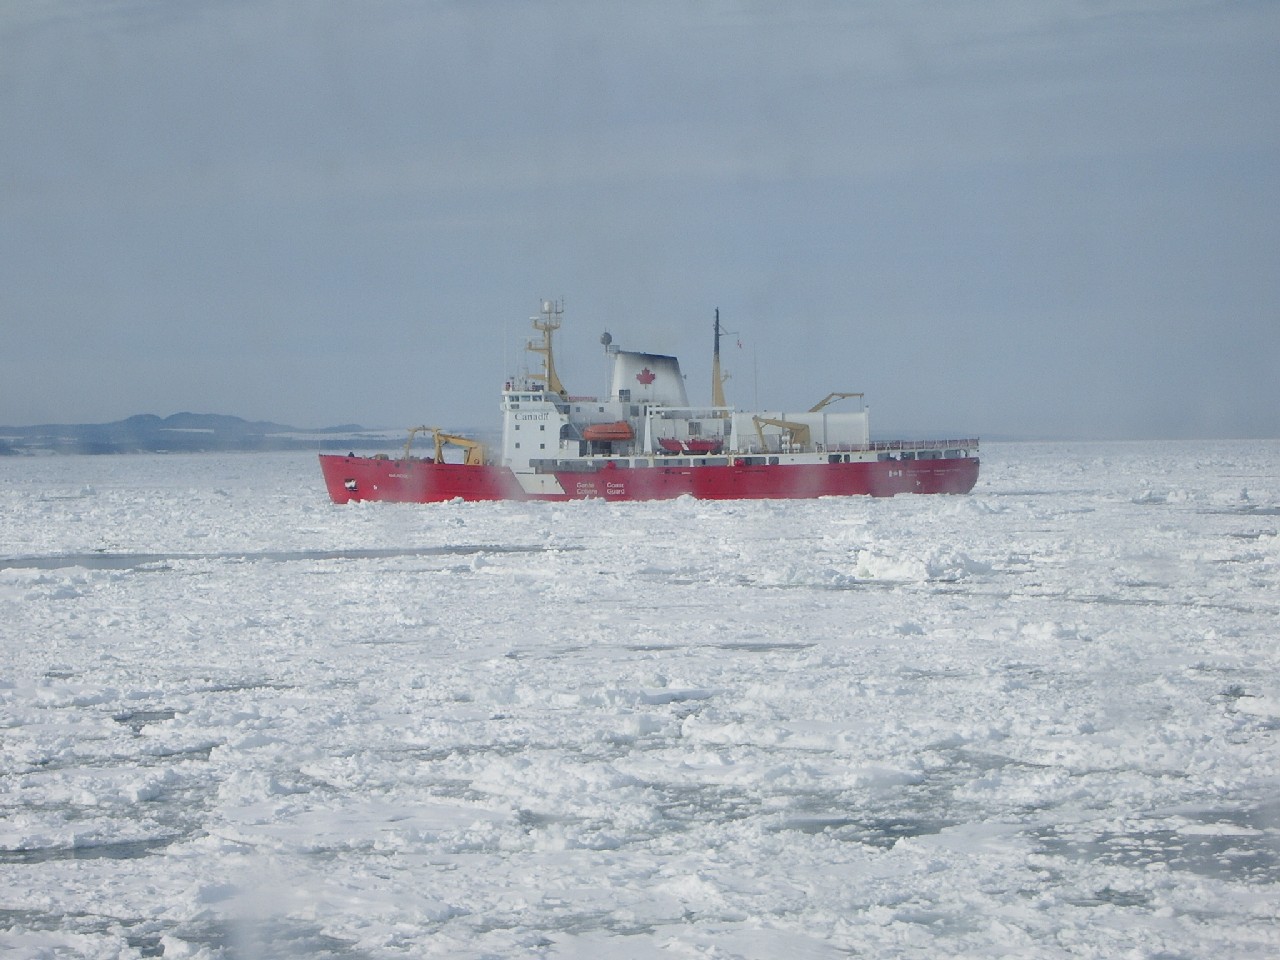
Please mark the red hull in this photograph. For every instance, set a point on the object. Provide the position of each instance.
(420, 481)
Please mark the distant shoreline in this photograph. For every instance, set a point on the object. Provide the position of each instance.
(181, 433)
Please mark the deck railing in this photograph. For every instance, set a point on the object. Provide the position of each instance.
(891, 445)
(917, 444)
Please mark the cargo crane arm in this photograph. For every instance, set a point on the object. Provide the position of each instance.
(476, 453)
(832, 398)
(800, 434)
(413, 432)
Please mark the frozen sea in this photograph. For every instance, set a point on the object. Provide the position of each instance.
(1041, 720)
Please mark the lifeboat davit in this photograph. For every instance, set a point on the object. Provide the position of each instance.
(608, 432)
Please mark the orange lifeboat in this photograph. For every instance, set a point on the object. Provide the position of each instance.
(702, 446)
(608, 432)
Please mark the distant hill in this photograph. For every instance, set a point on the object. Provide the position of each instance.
(179, 433)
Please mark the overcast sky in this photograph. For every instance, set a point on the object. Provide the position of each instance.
(1043, 219)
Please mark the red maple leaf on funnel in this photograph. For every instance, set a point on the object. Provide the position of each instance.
(646, 376)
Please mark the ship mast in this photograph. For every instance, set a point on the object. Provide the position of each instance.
(552, 311)
(717, 380)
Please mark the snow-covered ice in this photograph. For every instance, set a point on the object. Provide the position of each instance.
(1040, 720)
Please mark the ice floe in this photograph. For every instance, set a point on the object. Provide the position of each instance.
(1040, 720)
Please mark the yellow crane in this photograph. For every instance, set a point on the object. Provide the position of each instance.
(831, 398)
(476, 453)
(799, 433)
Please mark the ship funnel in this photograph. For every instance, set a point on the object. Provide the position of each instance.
(650, 377)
